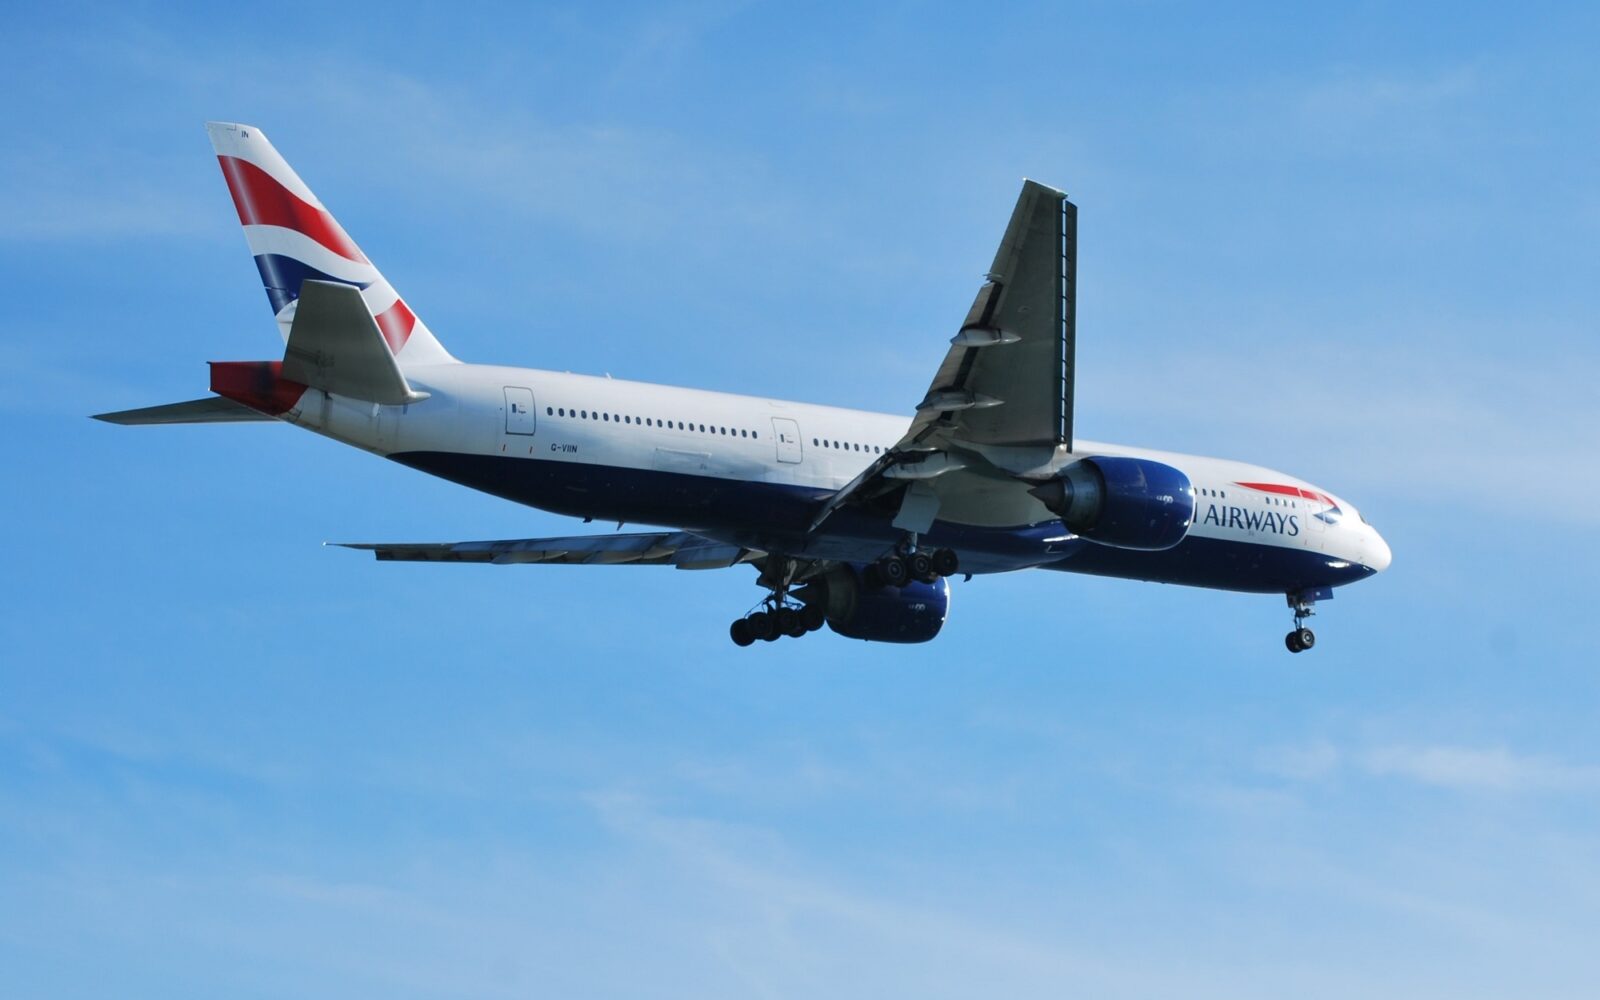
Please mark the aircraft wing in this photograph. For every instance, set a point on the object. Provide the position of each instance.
(666, 548)
(1001, 403)
(1007, 379)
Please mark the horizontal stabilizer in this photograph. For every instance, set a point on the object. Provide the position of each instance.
(211, 410)
(665, 548)
(336, 346)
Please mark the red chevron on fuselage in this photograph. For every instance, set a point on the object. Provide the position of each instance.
(1289, 491)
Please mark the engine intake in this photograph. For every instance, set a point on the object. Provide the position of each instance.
(1127, 503)
(858, 610)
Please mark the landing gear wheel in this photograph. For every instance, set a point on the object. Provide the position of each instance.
(1300, 640)
(790, 623)
(760, 624)
(739, 631)
(892, 570)
(920, 566)
(946, 562)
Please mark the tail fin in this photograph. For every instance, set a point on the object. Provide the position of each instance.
(294, 238)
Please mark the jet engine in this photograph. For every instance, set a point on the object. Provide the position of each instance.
(856, 609)
(1126, 503)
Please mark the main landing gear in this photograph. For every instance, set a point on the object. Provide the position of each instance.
(779, 614)
(775, 619)
(1302, 638)
(907, 563)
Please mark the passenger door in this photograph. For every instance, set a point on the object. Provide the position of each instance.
(520, 418)
(787, 433)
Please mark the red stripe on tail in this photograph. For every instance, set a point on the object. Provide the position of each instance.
(396, 323)
(262, 201)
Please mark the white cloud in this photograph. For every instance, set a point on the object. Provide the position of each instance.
(1315, 760)
(1462, 768)
(47, 195)
(1354, 99)
(1409, 421)
(789, 931)
(1470, 768)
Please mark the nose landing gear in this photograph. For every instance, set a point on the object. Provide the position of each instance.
(1304, 604)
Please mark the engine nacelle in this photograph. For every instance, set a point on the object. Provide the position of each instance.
(858, 610)
(1127, 503)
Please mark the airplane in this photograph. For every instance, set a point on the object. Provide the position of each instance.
(851, 519)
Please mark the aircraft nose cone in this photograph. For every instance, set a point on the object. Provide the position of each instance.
(1378, 554)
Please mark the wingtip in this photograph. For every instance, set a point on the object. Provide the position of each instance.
(1030, 182)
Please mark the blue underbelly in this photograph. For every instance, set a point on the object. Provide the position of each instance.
(773, 517)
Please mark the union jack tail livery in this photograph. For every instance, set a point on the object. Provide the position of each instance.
(295, 239)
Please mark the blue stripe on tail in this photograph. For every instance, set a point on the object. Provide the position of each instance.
(283, 276)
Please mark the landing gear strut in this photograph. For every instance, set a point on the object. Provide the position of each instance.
(1301, 638)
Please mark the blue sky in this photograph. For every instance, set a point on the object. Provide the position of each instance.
(1357, 245)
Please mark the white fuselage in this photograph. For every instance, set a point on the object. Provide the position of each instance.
(614, 427)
